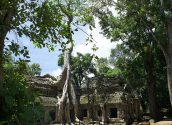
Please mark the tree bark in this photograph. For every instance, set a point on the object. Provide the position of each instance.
(104, 114)
(151, 83)
(2, 42)
(63, 102)
(169, 78)
(1, 59)
(68, 99)
(5, 21)
(168, 57)
(74, 102)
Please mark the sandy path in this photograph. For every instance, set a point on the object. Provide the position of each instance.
(164, 123)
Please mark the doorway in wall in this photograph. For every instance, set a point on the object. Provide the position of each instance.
(99, 112)
(84, 112)
(113, 112)
(52, 115)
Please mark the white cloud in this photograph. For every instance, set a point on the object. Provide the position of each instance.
(56, 72)
(104, 45)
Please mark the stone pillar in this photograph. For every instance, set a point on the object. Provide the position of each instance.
(95, 113)
(104, 113)
(46, 116)
(137, 108)
(88, 113)
(120, 112)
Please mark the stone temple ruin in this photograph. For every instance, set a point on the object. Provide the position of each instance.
(102, 99)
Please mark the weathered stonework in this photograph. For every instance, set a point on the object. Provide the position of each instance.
(109, 95)
(102, 99)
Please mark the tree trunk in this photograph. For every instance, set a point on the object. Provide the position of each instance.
(1, 59)
(151, 83)
(5, 22)
(168, 57)
(169, 78)
(74, 102)
(2, 38)
(63, 102)
(104, 114)
(68, 98)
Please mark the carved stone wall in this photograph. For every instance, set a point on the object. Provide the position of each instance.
(117, 98)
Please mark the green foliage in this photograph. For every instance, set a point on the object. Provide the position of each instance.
(106, 67)
(26, 69)
(102, 65)
(35, 69)
(37, 20)
(23, 68)
(18, 106)
(113, 72)
(60, 61)
(3, 122)
(83, 63)
(132, 68)
(139, 25)
(43, 22)
(81, 66)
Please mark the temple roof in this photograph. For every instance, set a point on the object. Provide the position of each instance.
(45, 82)
(106, 89)
(102, 83)
(100, 89)
(47, 101)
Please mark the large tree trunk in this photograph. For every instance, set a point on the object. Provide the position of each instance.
(5, 21)
(3, 33)
(169, 78)
(151, 83)
(168, 57)
(74, 102)
(104, 114)
(63, 102)
(167, 51)
(1, 58)
(68, 99)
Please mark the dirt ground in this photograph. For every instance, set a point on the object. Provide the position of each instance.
(169, 122)
(163, 123)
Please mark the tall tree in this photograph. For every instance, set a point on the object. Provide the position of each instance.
(166, 46)
(37, 20)
(139, 25)
(137, 69)
(81, 67)
(153, 16)
(74, 13)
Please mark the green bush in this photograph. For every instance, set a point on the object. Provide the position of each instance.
(17, 101)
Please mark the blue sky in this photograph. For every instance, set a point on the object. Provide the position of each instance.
(48, 60)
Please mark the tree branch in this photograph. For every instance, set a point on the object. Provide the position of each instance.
(84, 32)
(155, 38)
